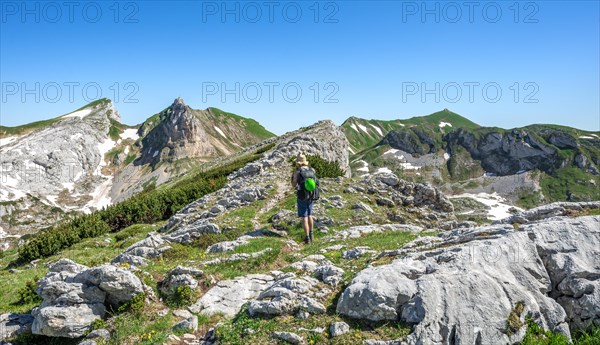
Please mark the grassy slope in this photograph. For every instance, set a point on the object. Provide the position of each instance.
(251, 125)
(360, 140)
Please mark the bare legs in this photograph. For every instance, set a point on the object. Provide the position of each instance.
(308, 224)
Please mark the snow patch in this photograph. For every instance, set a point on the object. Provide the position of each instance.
(581, 137)
(155, 154)
(363, 128)
(377, 129)
(444, 124)
(354, 127)
(52, 199)
(80, 113)
(8, 181)
(129, 133)
(7, 140)
(351, 150)
(383, 170)
(104, 147)
(365, 166)
(409, 166)
(100, 196)
(126, 151)
(446, 156)
(68, 185)
(220, 131)
(498, 205)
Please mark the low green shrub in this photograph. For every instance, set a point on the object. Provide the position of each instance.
(148, 207)
(324, 168)
(27, 293)
(135, 306)
(182, 296)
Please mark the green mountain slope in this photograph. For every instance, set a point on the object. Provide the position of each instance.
(445, 147)
(363, 134)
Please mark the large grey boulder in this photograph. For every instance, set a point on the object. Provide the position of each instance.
(228, 296)
(73, 296)
(288, 295)
(66, 321)
(463, 287)
(119, 285)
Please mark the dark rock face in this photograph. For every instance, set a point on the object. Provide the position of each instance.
(415, 141)
(508, 153)
(178, 128)
(182, 132)
(563, 140)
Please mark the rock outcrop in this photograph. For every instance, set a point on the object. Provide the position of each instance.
(464, 285)
(74, 296)
(183, 132)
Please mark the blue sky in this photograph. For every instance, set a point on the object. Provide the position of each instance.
(497, 63)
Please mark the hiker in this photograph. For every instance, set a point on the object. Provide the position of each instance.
(304, 180)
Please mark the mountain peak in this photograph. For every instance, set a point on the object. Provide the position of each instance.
(178, 102)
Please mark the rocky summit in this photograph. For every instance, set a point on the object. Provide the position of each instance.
(86, 160)
(216, 255)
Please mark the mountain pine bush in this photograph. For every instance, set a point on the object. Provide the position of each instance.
(324, 168)
(147, 207)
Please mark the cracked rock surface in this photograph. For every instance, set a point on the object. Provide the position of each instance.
(462, 287)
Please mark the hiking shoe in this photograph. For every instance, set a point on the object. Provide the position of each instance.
(306, 240)
(312, 237)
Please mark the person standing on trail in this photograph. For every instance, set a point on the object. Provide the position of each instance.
(304, 180)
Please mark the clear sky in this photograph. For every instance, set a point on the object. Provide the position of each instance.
(289, 63)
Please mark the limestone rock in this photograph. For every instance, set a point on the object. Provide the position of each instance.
(228, 296)
(338, 328)
(289, 337)
(444, 289)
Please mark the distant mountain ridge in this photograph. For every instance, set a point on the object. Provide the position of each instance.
(445, 147)
(88, 159)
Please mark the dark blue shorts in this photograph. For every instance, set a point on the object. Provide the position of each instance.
(305, 208)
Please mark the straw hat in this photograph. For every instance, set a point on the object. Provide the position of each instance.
(301, 160)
